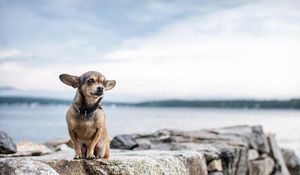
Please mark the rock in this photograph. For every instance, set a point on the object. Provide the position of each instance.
(227, 151)
(23, 167)
(254, 135)
(33, 149)
(215, 165)
(215, 173)
(234, 159)
(252, 154)
(53, 143)
(260, 140)
(7, 146)
(123, 142)
(277, 155)
(292, 161)
(137, 162)
(261, 166)
(211, 153)
(143, 146)
(27, 148)
(64, 147)
(63, 152)
(231, 145)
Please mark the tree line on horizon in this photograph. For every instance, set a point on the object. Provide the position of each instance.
(251, 104)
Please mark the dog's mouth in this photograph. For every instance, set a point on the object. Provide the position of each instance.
(96, 94)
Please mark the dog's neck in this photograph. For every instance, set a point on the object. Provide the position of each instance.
(85, 106)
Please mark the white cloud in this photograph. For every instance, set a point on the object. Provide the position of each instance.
(248, 51)
(4, 54)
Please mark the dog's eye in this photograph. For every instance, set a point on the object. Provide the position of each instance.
(90, 81)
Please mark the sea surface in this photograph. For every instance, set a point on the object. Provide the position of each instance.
(40, 123)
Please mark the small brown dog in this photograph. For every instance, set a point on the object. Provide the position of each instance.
(85, 117)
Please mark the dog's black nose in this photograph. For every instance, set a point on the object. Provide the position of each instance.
(99, 89)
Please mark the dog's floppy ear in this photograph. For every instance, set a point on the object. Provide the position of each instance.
(109, 84)
(70, 80)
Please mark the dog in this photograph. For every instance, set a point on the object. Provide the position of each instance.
(85, 117)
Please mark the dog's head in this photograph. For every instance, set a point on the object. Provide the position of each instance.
(92, 84)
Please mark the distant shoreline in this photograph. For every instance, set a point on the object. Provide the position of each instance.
(234, 104)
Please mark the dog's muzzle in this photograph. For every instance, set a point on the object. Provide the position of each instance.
(99, 91)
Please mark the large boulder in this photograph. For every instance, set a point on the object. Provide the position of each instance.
(7, 146)
(124, 142)
(25, 167)
(121, 163)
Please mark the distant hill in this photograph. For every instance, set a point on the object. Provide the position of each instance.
(30, 100)
(10, 100)
(250, 104)
(6, 88)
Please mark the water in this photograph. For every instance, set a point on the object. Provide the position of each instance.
(41, 123)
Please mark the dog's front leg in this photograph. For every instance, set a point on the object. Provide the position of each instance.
(91, 147)
(77, 145)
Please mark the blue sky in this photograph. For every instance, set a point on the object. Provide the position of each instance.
(156, 49)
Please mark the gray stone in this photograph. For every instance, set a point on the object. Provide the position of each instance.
(261, 166)
(215, 165)
(214, 152)
(25, 167)
(210, 152)
(252, 154)
(137, 162)
(26, 148)
(232, 149)
(123, 142)
(259, 139)
(7, 146)
(292, 161)
(277, 155)
(234, 159)
(143, 146)
(53, 143)
(254, 135)
(215, 173)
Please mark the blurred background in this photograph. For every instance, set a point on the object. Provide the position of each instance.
(188, 65)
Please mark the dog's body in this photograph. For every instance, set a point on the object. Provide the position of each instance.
(85, 118)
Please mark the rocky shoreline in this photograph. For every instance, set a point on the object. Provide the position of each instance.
(237, 150)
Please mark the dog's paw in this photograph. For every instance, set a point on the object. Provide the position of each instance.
(98, 157)
(76, 157)
(90, 157)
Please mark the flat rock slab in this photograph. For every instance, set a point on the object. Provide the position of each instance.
(138, 162)
(121, 163)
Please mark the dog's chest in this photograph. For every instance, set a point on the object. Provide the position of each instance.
(85, 130)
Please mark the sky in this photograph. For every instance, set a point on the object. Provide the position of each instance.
(156, 49)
